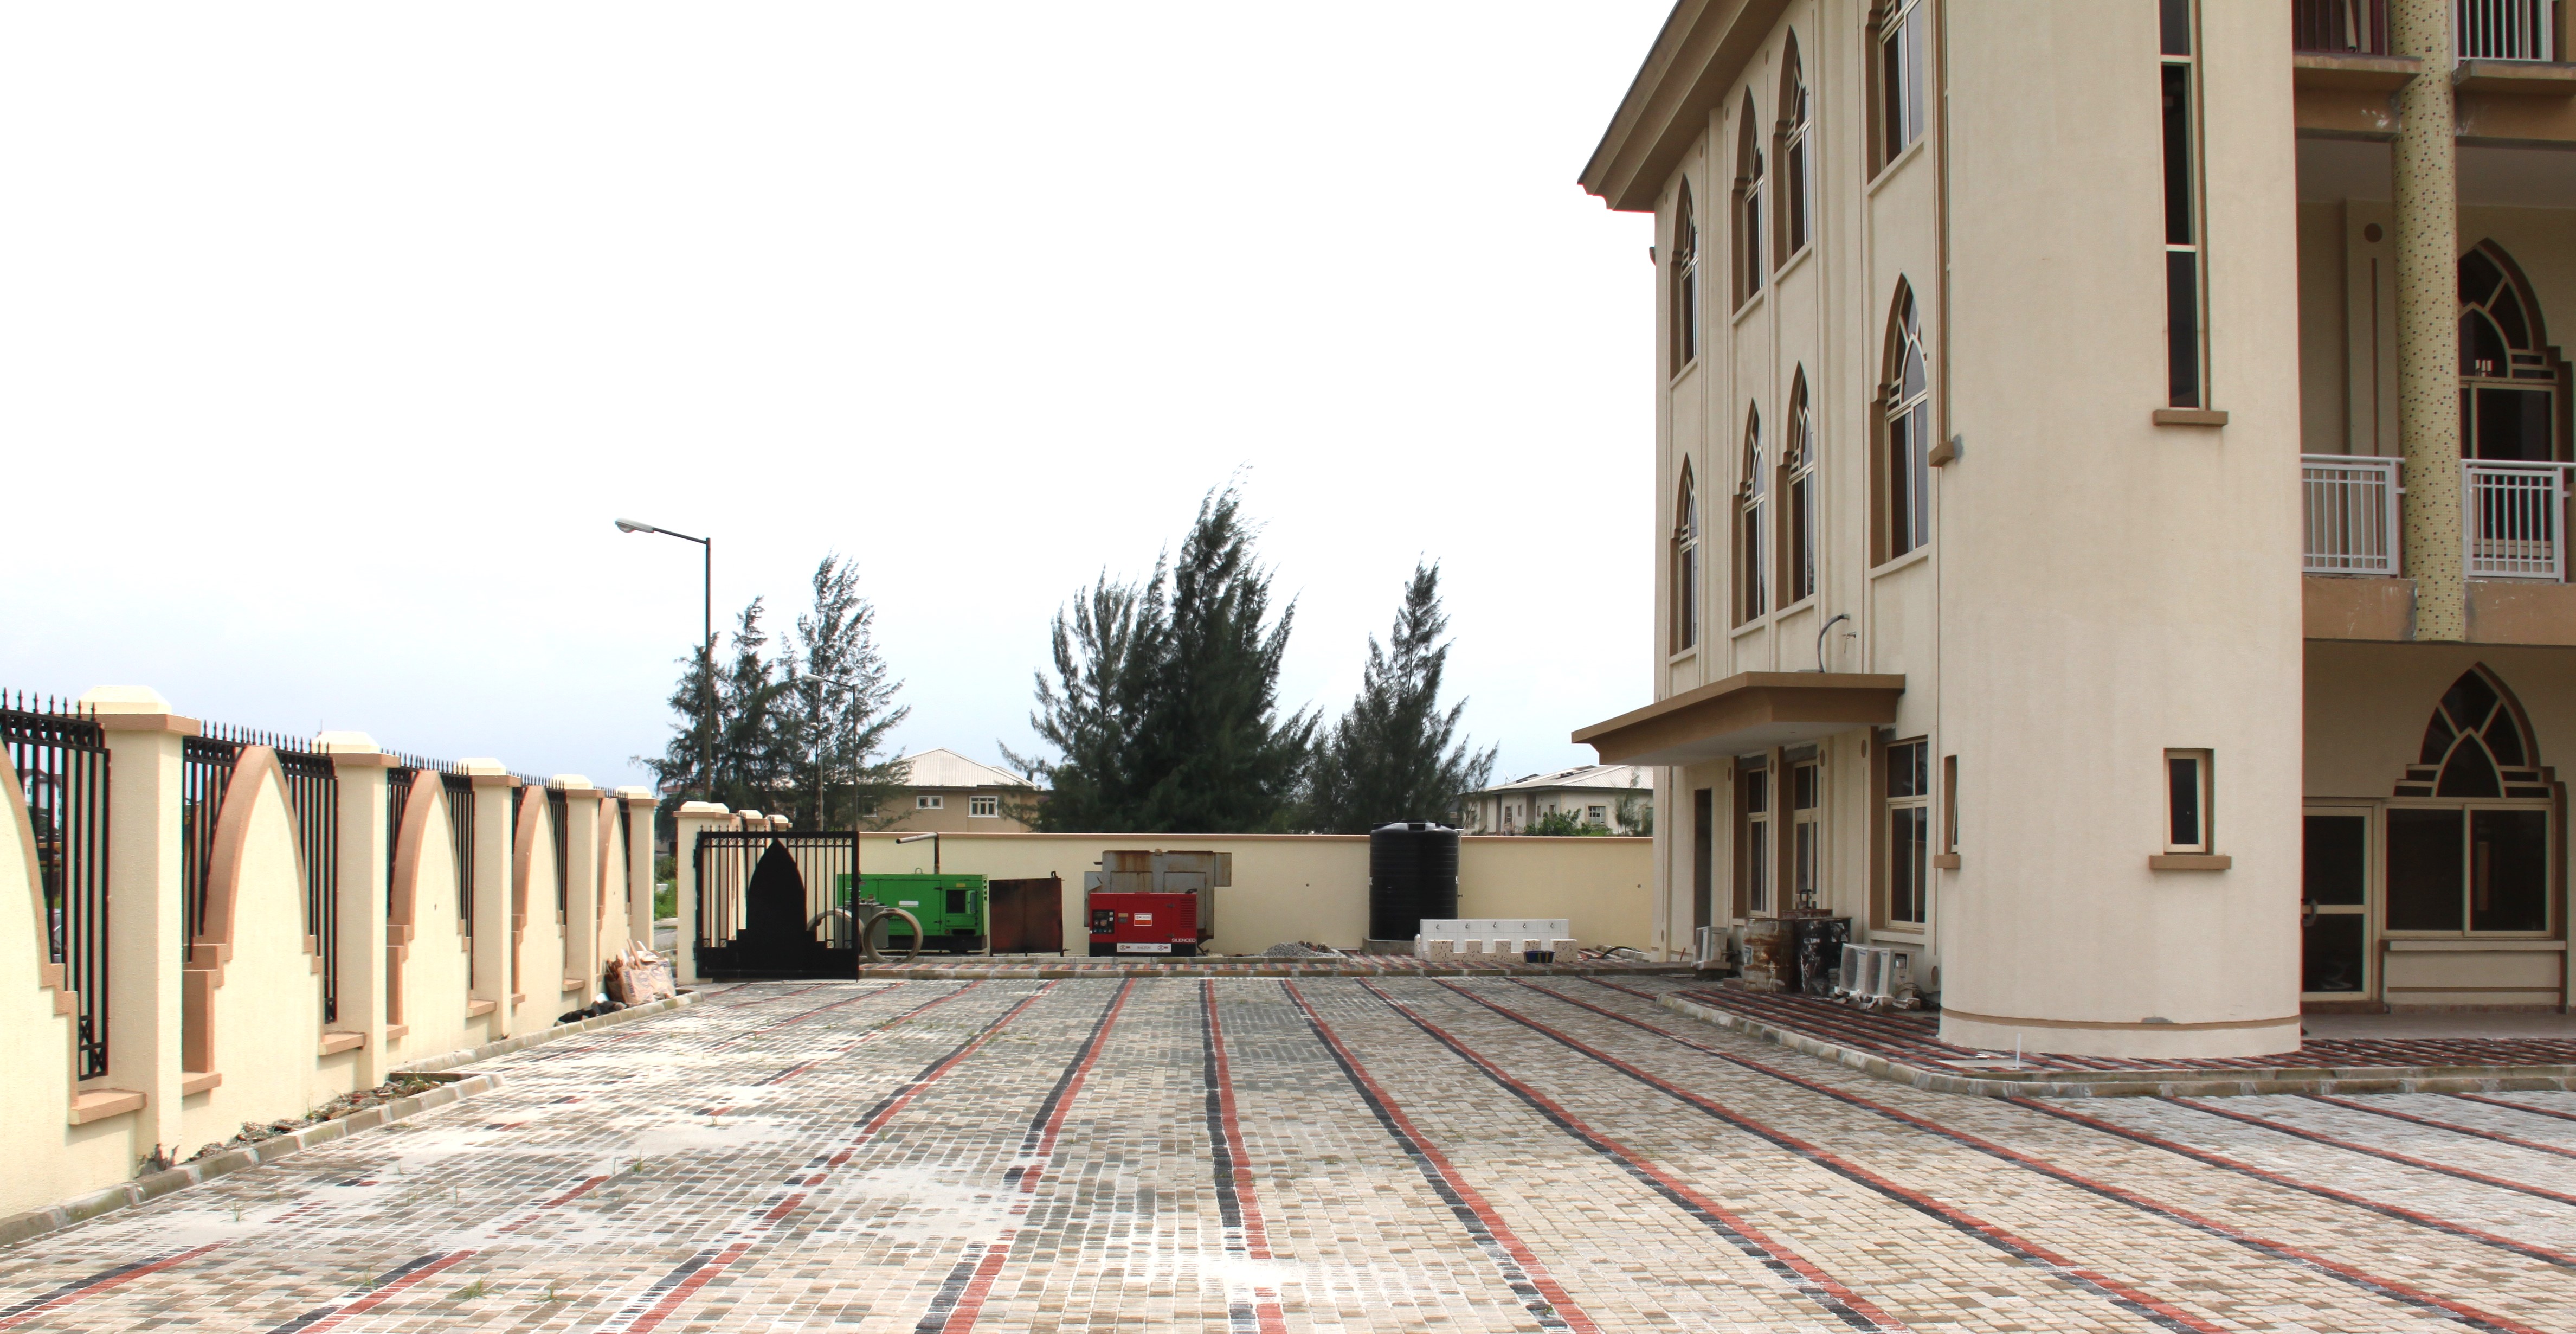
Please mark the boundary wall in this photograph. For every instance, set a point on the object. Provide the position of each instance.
(225, 1025)
(1287, 887)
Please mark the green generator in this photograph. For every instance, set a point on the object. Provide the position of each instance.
(949, 907)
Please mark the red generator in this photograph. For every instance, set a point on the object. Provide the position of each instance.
(1160, 903)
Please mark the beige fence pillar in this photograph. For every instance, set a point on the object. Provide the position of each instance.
(639, 806)
(2428, 321)
(493, 985)
(694, 818)
(359, 766)
(145, 918)
(581, 889)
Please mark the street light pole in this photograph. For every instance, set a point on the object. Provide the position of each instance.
(706, 651)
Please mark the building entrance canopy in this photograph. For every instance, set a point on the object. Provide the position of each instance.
(1746, 712)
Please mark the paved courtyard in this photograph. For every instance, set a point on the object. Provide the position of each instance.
(1325, 1154)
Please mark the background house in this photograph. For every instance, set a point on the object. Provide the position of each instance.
(945, 792)
(1619, 797)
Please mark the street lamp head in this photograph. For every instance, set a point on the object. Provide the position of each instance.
(631, 526)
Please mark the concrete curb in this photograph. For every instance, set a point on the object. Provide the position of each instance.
(469, 1055)
(36, 1222)
(1285, 968)
(2145, 1083)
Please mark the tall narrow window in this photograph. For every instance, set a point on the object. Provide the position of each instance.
(2186, 801)
(2508, 377)
(1950, 803)
(1900, 77)
(1909, 828)
(1907, 517)
(1798, 460)
(1795, 174)
(1806, 833)
(1752, 562)
(1685, 615)
(1748, 203)
(1753, 870)
(2185, 344)
(1684, 270)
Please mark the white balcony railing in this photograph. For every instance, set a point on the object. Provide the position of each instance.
(2350, 503)
(2516, 516)
(2504, 30)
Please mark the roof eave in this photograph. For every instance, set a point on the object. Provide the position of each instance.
(1694, 60)
(1746, 712)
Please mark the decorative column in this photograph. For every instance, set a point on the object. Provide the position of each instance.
(581, 882)
(695, 817)
(2428, 321)
(358, 766)
(145, 917)
(640, 806)
(493, 985)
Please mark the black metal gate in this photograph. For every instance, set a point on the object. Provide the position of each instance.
(776, 904)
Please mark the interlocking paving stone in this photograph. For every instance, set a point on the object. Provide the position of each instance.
(1479, 1153)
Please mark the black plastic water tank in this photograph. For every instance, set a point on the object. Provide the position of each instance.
(1413, 874)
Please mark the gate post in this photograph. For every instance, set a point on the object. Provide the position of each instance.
(146, 921)
(638, 889)
(694, 818)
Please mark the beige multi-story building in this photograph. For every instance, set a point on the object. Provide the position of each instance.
(945, 792)
(1619, 798)
(2112, 477)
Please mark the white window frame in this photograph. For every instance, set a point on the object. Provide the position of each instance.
(1901, 81)
(929, 802)
(984, 808)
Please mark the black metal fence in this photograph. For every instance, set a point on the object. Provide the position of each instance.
(460, 827)
(398, 782)
(61, 759)
(817, 869)
(205, 769)
(557, 809)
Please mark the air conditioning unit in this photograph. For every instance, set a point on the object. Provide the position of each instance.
(1876, 975)
(1707, 944)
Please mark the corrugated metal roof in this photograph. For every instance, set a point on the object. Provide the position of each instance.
(1613, 777)
(947, 768)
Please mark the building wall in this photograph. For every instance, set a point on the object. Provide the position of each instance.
(1314, 887)
(434, 963)
(2098, 588)
(953, 817)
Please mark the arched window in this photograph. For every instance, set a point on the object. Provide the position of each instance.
(1748, 204)
(1906, 400)
(1798, 460)
(1684, 271)
(2508, 372)
(2468, 830)
(1896, 93)
(1752, 531)
(1795, 173)
(1685, 612)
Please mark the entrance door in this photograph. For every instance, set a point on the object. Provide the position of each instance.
(2334, 905)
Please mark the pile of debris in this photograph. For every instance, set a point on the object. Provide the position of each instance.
(347, 1104)
(1303, 949)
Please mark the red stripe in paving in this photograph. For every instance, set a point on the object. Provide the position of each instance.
(1236, 1200)
(1799, 1273)
(2390, 1288)
(2395, 1115)
(1040, 1144)
(2516, 1106)
(2022, 1248)
(655, 1304)
(44, 1303)
(2368, 1151)
(1519, 1267)
(330, 1316)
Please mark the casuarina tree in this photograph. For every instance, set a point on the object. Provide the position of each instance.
(1164, 711)
(1396, 755)
(836, 707)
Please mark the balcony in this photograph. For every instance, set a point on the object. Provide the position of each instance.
(2514, 519)
(2484, 29)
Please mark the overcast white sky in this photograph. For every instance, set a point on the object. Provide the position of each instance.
(336, 336)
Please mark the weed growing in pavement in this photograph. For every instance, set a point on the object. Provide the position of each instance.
(551, 1294)
(471, 1291)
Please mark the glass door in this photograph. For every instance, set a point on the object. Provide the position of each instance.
(2334, 905)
